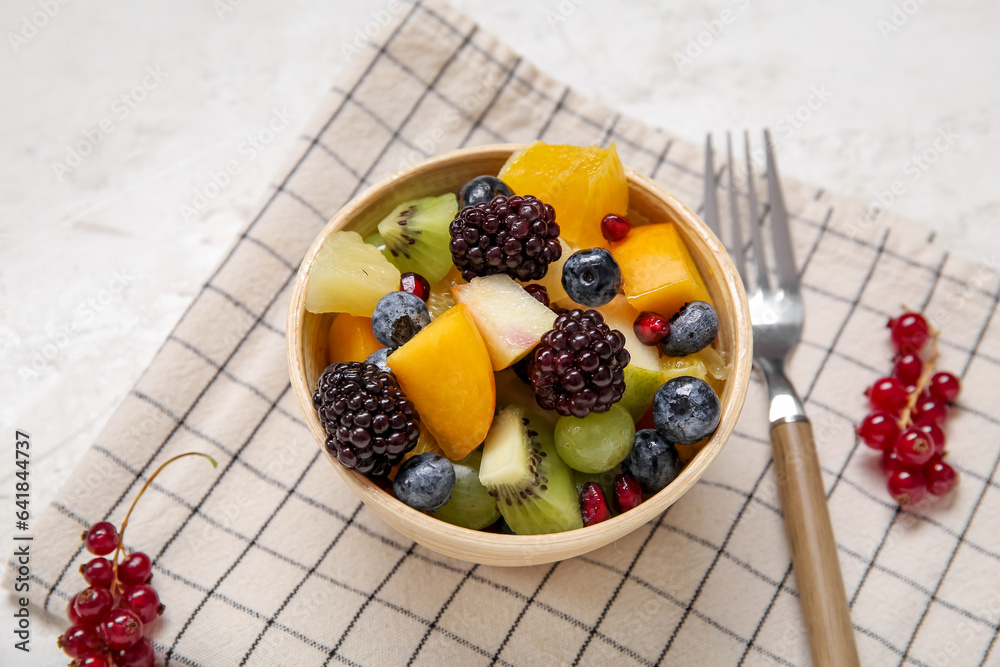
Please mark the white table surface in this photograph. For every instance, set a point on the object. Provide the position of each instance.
(98, 261)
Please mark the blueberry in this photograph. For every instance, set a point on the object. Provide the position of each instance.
(482, 190)
(653, 461)
(380, 358)
(591, 277)
(398, 317)
(686, 410)
(692, 328)
(503, 528)
(424, 482)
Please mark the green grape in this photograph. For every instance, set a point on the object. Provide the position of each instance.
(596, 443)
(471, 505)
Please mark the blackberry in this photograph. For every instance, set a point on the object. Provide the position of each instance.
(513, 235)
(369, 422)
(578, 367)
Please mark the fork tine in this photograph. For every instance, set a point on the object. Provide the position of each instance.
(734, 213)
(763, 282)
(788, 277)
(711, 201)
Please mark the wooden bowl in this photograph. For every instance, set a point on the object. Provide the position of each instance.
(307, 352)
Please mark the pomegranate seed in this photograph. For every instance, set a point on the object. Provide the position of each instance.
(415, 284)
(879, 430)
(539, 292)
(888, 394)
(914, 447)
(935, 435)
(909, 332)
(101, 539)
(593, 506)
(650, 327)
(79, 640)
(92, 660)
(98, 572)
(615, 227)
(627, 493)
(944, 387)
(646, 422)
(941, 478)
(907, 487)
(908, 368)
(930, 411)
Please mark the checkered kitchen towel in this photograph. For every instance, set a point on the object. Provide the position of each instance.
(270, 560)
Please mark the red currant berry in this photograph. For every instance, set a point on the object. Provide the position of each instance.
(79, 640)
(92, 604)
(930, 411)
(121, 629)
(615, 227)
(650, 327)
(888, 394)
(144, 601)
(92, 660)
(135, 569)
(908, 368)
(944, 387)
(909, 332)
(890, 461)
(415, 284)
(941, 478)
(935, 435)
(593, 506)
(71, 611)
(914, 447)
(879, 430)
(98, 572)
(627, 493)
(101, 539)
(140, 655)
(539, 292)
(907, 487)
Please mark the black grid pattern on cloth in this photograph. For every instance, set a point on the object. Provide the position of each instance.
(628, 584)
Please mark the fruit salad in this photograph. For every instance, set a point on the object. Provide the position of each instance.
(517, 357)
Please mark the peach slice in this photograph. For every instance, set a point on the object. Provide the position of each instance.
(658, 273)
(510, 320)
(350, 338)
(446, 371)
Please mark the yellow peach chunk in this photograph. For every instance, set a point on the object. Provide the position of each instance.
(658, 272)
(350, 339)
(446, 371)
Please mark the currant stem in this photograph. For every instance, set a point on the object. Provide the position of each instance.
(925, 379)
(121, 532)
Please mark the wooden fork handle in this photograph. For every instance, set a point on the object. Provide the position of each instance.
(814, 551)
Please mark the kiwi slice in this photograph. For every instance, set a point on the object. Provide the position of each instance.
(534, 489)
(471, 505)
(376, 240)
(416, 236)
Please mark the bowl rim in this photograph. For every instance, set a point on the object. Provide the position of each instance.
(507, 546)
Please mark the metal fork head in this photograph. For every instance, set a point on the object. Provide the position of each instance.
(775, 302)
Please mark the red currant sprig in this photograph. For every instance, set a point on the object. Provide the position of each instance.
(909, 409)
(109, 617)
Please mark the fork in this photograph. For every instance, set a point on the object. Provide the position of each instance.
(777, 314)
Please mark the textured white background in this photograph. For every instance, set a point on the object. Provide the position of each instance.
(73, 340)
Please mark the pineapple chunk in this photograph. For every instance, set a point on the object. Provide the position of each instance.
(349, 276)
